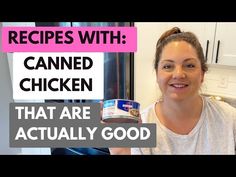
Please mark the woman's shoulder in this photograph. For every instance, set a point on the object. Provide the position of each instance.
(220, 107)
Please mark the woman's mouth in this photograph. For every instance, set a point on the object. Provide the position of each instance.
(179, 85)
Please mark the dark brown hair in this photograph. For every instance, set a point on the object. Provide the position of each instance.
(175, 34)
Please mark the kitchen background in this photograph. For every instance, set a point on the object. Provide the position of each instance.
(131, 76)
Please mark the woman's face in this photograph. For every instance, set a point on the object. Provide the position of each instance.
(179, 72)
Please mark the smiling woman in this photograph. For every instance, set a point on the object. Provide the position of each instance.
(186, 122)
(179, 73)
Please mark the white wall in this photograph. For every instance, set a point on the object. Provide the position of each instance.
(219, 80)
(146, 90)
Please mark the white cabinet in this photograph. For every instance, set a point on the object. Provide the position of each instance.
(225, 44)
(218, 40)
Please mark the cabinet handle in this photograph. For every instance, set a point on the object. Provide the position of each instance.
(206, 55)
(217, 52)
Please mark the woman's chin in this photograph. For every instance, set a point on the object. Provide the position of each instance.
(178, 97)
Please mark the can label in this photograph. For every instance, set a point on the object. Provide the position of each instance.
(123, 109)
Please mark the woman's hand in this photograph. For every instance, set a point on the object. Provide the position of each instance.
(120, 151)
(117, 150)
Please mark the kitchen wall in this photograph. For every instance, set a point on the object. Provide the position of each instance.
(145, 87)
(219, 80)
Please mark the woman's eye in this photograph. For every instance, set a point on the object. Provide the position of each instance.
(190, 66)
(167, 67)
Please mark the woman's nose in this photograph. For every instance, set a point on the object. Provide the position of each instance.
(179, 73)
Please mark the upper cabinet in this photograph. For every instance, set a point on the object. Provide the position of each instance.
(225, 44)
(218, 40)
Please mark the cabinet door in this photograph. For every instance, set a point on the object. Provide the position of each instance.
(225, 44)
(205, 33)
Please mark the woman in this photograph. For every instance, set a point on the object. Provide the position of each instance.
(186, 122)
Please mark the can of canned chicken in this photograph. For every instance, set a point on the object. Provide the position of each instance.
(120, 111)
